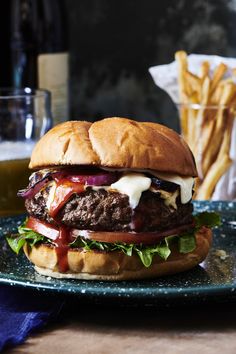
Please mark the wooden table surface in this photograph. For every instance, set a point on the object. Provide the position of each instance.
(89, 329)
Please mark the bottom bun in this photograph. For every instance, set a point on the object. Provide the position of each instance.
(98, 265)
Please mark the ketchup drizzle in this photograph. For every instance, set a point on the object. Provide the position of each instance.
(67, 188)
(62, 248)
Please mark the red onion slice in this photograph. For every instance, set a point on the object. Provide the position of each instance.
(99, 179)
(37, 181)
(31, 191)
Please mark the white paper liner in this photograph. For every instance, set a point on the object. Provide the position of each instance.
(166, 77)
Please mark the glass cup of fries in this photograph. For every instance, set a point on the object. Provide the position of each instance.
(207, 130)
(207, 112)
(25, 116)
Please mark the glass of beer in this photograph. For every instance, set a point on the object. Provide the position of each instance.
(25, 115)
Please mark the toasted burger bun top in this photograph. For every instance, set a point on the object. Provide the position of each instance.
(115, 143)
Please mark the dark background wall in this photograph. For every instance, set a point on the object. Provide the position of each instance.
(113, 43)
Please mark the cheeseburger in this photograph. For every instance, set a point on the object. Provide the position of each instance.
(111, 200)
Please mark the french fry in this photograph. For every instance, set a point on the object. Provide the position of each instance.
(234, 71)
(219, 167)
(216, 95)
(192, 115)
(194, 83)
(204, 70)
(208, 127)
(229, 80)
(184, 121)
(212, 149)
(217, 75)
(225, 146)
(181, 58)
(205, 91)
(227, 95)
(199, 124)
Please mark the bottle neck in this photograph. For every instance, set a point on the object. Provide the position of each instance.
(37, 28)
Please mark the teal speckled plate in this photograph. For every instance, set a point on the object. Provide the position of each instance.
(214, 279)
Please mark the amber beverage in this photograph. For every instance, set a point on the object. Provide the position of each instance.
(14, 175)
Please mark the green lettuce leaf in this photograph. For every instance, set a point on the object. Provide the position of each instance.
(186, 242)
(145, 256)
(16, 242)
(145, 253)
(25, 235)
(209, 219)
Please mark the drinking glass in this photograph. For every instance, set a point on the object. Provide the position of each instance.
(210, 131)
(25, 115)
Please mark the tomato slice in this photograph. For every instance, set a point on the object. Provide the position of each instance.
(145, 238)
(61, 238)
(64, 190)
(42, 228)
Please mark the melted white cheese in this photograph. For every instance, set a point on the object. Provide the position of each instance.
(51, 194)
(185, 183)
(169, 197)
(132, 184)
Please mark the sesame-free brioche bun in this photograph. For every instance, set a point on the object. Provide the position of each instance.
(116, 265)
(115, 143)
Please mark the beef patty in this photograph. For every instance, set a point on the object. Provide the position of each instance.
(110, 211)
